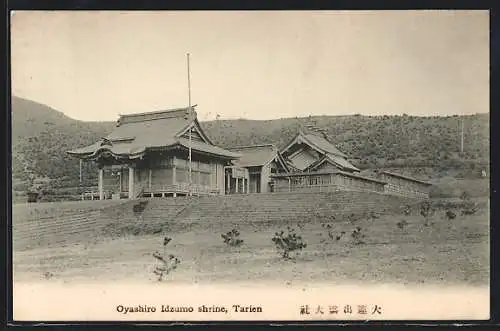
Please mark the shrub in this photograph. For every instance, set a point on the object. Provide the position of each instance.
(402, 224)
(288, 242)
(470, 208)
(450, 215)
(166, 263)
(407, 210)
(48, 275)
(426, 211)
(351, 218)
(330, 233)
(140, 207)
(465, 196)
(232, 239)
(357, 236)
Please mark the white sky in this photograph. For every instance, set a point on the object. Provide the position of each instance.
(256, 65)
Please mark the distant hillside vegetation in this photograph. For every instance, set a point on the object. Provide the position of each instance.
(376, 141)
(41, 135)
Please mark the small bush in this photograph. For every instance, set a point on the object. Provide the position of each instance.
(48, 275)
(465, 196)
(351, 218)
(166, 263)
(140, 206)
(470, 208)
(426, 211)
(331, 235)
(407, 210)
(288, 242)
(232, 239)
(402, 224)
(358, 236)
(450, 215)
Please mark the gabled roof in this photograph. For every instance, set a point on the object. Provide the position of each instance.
(318, 143)
(258, 155)
(339, 162)
(137, 133)
(392, 174)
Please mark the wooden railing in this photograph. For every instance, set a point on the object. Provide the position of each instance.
(282, 187)
(91, 193)
(315, 187)
(182, 188)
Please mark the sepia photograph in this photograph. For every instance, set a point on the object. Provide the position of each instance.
(250, 165)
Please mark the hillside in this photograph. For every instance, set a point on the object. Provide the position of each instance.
(431, 145)
(373, 141)
(40, 135)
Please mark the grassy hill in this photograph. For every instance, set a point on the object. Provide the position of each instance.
(40, 137)
(374, 141)
(428, 146)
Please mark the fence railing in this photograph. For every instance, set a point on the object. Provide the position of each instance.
(181, 188)
(316, 187)
(91, 193)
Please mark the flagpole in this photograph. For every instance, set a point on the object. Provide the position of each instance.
(190, 129)
(462, 135)
(81, 191)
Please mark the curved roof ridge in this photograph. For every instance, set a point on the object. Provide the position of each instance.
(157, 115)
(155, 112)
(253, 146)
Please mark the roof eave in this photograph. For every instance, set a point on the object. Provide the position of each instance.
(318, 148)
(223, 156)
(291, 143)
(79, 155)
(95, 154)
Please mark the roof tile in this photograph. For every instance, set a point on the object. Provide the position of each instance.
(253, 156)
(137, 132)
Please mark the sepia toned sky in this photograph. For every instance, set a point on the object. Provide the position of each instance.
(256, 65)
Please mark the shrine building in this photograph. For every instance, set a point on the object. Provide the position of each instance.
(167, 154)
(147, 155)
(317, 165)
